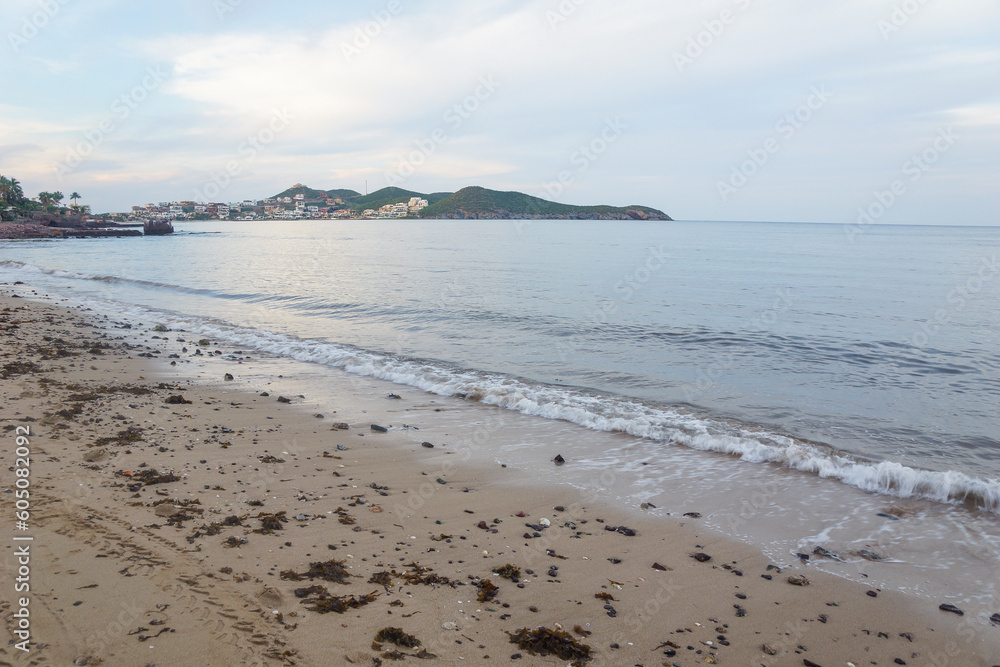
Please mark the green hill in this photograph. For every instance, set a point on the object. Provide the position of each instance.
(299, 189)
(342, 194)
(480, 203)
(390, 195)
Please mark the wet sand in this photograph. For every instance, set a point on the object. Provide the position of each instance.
(183, 533)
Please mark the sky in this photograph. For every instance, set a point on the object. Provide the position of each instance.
(863, 111)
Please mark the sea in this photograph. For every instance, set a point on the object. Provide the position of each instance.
(797, 385)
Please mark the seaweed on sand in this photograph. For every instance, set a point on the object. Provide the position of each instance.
(270, 522)
(331, 570)
(508, 571)
(545, 641)
(324, 603)
(487, 590)
(398, 637)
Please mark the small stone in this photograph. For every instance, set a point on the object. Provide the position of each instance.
(660, 568)
(995, 618)
(449, 626)
(869, 555)
(483, 525)
(559, 460)
(282, 399)
(379, 429)
(899, 661)
(427, 445)
(872, 594)
(533, 609)
(693, 515)
(798, 580)
(769, 650)
(228, 377)
(440, 481)
(559, 508)
(951, 608)
(701, 557)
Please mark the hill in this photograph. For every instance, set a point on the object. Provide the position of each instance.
(477, 203)
(342, 194)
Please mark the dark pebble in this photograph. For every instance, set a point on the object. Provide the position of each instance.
(701, 557)
(995, 618)
(899, 661)
(766, 576)
(952, 608)
(809, 663)
(616, 646)
(559, 460)
(516, 656)
(427, 445)
(741, 596)
(872, 594)
(559, 508)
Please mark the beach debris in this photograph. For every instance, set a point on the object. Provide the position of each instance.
(270, 459)
(885, 515)
(603, 595)
(340, 426)
(545, 641)
(661, 568)
(396, 396)
(508, 571)
(232, 542)
(228, 377)
(425, 576)
(487, 590)
(701, 557)
(398, 637)
(323, 603)
(624, 530)
(545, 523)
(383, 579)
(331, 570)
(693, 515)
(379, 429)
(820, 551)
(270, 522)
(869, 555)
(427, 445)
(740, 611)
(148, 477)
(282, 399)
(798, 580)
(559, 460)
(95, 455)
(809, 663)
(951, 608)
(995, 618)
(177, 399)
(871, 594)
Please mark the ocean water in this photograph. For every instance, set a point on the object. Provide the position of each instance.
(852, 369)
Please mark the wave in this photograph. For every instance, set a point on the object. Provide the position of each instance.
(611, 413)
(592, 410)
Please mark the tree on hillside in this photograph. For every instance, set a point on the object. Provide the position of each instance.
(45, 198)
(57, 197)
(10, 191)
(75, 196)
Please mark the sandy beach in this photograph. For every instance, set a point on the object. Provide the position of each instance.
(178, 522)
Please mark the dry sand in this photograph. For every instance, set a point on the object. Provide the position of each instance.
(135, 501)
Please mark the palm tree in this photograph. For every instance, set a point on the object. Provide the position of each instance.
(17, 193)
(45, 199)
(75, 196)
(57, 197)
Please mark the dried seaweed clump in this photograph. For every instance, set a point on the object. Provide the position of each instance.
(545, 641)
(149, 477)
(124, 437)
(331, 570)
(398, 637)
(487, 590)
(509, 571)
(382, 579)
(607, 597)
(270, 522)
(424, 575)
(13, 368)
(324, 603)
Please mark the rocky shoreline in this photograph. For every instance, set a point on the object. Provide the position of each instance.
(47, 226)
(630, 214)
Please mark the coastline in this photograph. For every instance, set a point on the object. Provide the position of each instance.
(90, 528)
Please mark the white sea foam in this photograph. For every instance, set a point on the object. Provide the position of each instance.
(600, 412)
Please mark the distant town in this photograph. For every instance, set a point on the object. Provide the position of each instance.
(299, 206)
